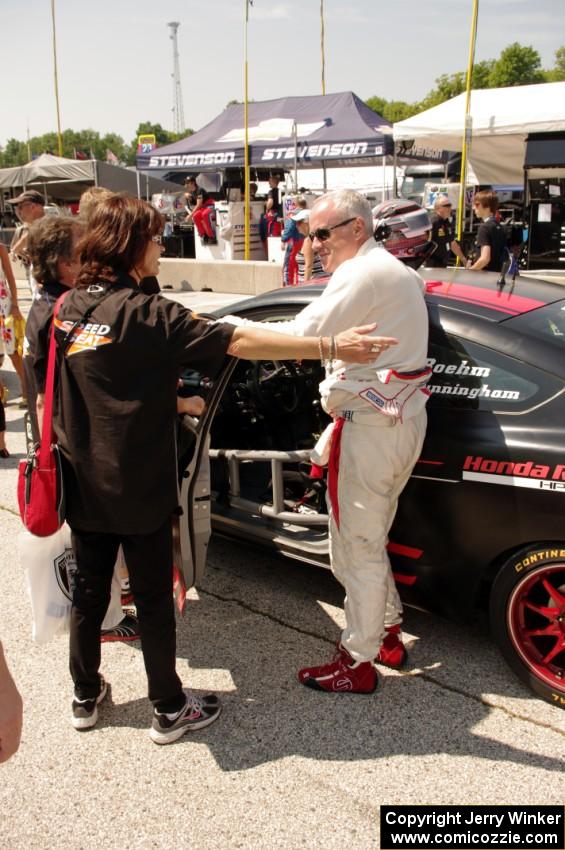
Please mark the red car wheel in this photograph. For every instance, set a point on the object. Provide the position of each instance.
(527, 615)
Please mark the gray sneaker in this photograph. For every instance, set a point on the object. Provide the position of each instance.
(197, 713)
(85, 711)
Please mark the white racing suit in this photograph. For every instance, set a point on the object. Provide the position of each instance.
(378, 433)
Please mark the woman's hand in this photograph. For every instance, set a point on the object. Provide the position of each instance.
(354, 346)
(194, 405)
(16, 312)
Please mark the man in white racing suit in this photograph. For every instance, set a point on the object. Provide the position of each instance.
(379, 427)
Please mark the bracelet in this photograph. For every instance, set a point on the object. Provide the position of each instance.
(332, 349)
(321, 348)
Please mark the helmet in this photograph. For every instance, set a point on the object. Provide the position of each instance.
(403, 227)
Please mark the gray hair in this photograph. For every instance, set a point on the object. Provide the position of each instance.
(351, 204)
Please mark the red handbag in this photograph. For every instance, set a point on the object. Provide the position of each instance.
(40, 482)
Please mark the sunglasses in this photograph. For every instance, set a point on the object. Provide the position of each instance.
(446, 206)
(158, 239)
(324, 233)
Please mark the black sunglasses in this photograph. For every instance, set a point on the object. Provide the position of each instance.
(323, 233)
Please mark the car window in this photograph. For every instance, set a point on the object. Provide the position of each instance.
(547, 323)
(469, 376)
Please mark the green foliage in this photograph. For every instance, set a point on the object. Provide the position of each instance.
(517, 65)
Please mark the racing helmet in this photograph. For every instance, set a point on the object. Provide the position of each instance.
(403, 227)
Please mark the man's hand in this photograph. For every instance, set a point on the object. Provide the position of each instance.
(354, 346)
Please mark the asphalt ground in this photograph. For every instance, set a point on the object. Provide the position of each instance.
(284, 767)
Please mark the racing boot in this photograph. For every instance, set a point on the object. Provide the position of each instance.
(392, 652)
(342, 674)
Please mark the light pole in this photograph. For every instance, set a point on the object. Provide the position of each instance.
(59, 136)
(247, 178)
(468, 129)
(322, 32)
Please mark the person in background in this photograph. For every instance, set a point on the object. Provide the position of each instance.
(307, 260)
(252, 191)
(116, 400)
(29, 207)
(12, 322)
(190, 191)
(274, 204)
(204, 217)
(11, 711)
(90, 199)
(443, 236)
(4, 453)
(292, 239)
(491, 238)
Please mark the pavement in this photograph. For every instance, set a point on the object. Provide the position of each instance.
(284, 767)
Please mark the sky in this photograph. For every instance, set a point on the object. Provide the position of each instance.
(115, 57)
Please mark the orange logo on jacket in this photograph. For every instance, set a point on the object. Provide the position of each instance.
(87, 336)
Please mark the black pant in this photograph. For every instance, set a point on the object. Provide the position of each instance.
(149, 558)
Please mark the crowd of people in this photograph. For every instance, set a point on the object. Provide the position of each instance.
(118, 375)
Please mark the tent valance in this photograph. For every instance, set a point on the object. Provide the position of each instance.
(501, 120)
(332, 129)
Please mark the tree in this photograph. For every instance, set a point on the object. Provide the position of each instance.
(557, 73)
(516, 66)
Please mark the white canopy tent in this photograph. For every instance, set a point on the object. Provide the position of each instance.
(501, 121)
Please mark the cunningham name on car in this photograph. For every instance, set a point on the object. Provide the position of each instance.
(323, 151)
(181, 160)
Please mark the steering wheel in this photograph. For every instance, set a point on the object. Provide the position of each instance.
(275, 384)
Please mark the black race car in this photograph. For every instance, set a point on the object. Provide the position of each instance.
(481, 524)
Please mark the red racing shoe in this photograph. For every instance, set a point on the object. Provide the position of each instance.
(343, 674)
(392, 652)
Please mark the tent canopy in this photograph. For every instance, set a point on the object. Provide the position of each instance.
(66, 179)
(333, 129)
(501, 120)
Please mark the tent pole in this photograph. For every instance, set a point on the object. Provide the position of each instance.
(295, 134)
(325, 176)
(138, 178)
(467, 132)
(247, 178)
(96, 172)
(394, 179)
(385, 190)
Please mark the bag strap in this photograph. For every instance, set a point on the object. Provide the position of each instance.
(47, 427)
(47, 436)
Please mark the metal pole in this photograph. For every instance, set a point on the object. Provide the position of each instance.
(247, 178)
(295, 136)
(59, 136)
(322, 46)
(468, 129)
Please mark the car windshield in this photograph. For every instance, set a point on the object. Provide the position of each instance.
(546, 323)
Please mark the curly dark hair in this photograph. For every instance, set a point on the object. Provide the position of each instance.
(119, 230)
(51, 239)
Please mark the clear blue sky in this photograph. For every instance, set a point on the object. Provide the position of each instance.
(115, 56)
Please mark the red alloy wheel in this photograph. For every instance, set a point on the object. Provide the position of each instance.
(536, 623)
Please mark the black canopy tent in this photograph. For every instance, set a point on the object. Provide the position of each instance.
(305, 132)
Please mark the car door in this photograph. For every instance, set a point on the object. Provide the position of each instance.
(191, 525)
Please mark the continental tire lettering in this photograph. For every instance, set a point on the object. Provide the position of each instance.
(536, 557)
(558, 698)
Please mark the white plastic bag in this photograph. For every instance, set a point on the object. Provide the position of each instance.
(50, 565)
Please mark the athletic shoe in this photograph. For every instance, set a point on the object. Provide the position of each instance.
(125, 631)
(341, 674)
(85, 711)
(392, 652)
(196, 714)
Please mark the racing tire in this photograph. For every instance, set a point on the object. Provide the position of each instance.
(527, 618)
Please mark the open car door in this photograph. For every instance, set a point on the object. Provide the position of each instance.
(191, 527)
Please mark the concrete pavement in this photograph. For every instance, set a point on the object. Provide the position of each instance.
(284, 767)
